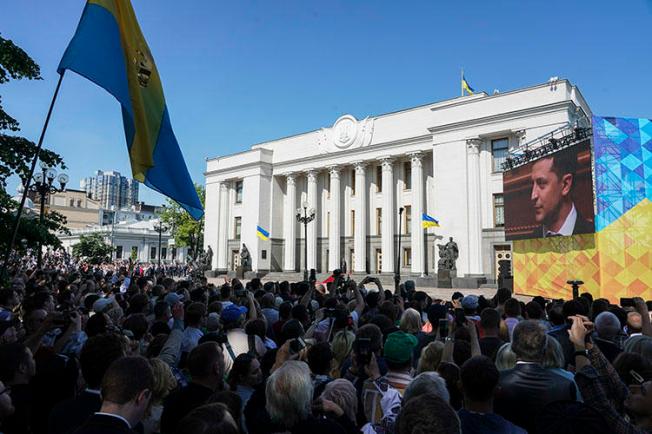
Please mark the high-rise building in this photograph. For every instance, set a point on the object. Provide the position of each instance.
(111, 189)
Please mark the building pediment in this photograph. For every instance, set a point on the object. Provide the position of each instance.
(346, 133)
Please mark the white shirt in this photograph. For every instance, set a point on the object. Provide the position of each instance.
(568, 226)
(239, 344)
(191, 337)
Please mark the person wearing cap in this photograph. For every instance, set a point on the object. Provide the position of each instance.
(398, 352)
(237, 340)
(470, 306)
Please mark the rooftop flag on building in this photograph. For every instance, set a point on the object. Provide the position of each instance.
(466, 86)
(262, 233)
(109, 49)
(428, 222)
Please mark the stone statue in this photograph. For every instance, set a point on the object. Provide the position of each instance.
(245, 258)
(208, 260)
(452, 252)
(448, 254)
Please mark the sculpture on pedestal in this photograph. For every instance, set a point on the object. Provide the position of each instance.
(446, 267)
(245, 258)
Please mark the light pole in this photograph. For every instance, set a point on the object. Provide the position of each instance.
(305, 218)
(113, 213)
(160, 228)
(397, 270)
(42, 184)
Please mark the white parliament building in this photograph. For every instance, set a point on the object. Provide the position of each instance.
(443, 159)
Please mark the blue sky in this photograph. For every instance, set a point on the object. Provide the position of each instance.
(241, 72)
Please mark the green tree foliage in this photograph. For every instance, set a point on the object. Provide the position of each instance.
(16, 155)
(185, 230)
(92, 248)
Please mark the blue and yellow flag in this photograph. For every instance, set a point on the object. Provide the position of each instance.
(429, 222)
(262, 233)
(466, 86)
(109, 49)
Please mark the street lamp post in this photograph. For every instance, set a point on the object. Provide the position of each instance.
(42, 183)
(160, 228)
(305, 218)
(397, 270)
(113, 212)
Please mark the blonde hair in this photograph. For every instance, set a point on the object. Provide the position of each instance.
(505, 357)
(411, 321)
(342, 345)
(164, 380)
(430, 358)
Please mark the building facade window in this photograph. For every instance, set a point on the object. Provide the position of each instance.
(379, 221)
(407, 219)
(379, 179)
(407, 175)
(499, 150)
(118, 252)
(407, 257)
(353, 182)
(164, 253)
(238, 191)
(237, 227)
(352, 222)
(152, 253)
(499, 210)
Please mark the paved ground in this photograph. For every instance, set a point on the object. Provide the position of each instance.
(442, 293)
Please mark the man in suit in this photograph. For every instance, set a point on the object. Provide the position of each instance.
(206, 366)
(96, 356)
(126, 393)
(527, 388)
(553, 179)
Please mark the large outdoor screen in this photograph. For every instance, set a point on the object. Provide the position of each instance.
(551, 196)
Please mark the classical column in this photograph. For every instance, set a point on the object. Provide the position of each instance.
(474, 206)
(289, 223)
(360, 239)
(334, 229)
(312, 226)
(388, 227)
(417, 238)
(223, 232)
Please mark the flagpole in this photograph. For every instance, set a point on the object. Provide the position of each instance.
(462, 82)
(28, 179)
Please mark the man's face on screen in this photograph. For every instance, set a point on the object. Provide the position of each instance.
(547, 192)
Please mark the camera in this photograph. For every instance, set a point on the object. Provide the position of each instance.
(626, 302)
(443, 328)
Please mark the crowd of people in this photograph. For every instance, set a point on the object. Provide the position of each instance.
(115, 348)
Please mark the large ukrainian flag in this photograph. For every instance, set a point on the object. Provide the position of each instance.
(109, 49)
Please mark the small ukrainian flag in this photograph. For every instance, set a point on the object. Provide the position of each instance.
(429, 222)
(262, 233)
(466, 86)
